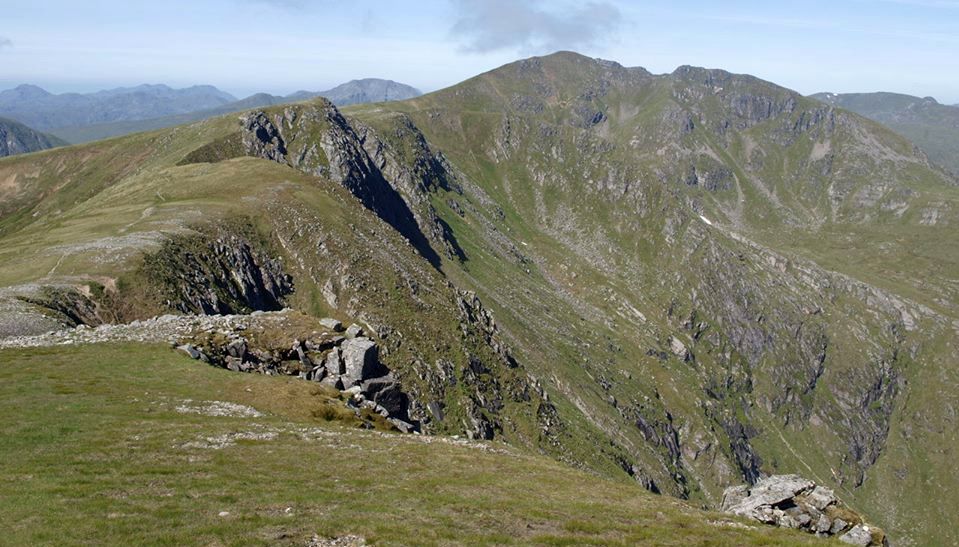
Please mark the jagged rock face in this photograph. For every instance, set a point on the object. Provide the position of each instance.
(218, 273)
(791, 501)
(16, 138)
(318, 140)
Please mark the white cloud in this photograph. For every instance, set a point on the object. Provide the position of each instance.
(489, 25)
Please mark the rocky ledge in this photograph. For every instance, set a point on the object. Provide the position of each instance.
(342, 358)
(791, 501)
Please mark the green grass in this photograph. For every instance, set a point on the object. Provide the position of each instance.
(93, 452)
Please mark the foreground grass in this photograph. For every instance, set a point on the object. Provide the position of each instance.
(93, 450)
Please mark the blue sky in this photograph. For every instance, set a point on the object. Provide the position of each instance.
(279, 46)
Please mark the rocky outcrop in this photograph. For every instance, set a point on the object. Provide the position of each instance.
(316, 139)
(217, 272)
(790, 501)
(351, 365)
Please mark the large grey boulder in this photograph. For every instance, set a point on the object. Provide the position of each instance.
(386, 392)
(360, 361)
(770, 492)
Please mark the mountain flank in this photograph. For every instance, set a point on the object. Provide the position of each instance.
(934, 127)
(682, 283)
(16, 138)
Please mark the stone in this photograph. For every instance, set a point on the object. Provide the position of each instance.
(770, 491)
(733, 496)
(360, 361)
(236, 348)
(386, 392)
(838, 525)
(678, 348)
(821, 497)
(317, 374)
(857, 535)
(332, 324)
(823, 524)
(190, 350)
(354, 331)
(333, 363)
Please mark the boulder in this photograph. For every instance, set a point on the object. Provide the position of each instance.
(354, 331)
(333, 363)
(821, 497)
(192, 351)
(332, 324)
(678, 348)
(360, 361)
(857, 535)
(237, 348)
(770, 492)
(386, 392)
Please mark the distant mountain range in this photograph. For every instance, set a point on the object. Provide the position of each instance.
(934, 127)
(16, 138)
(78, 118)
(43, 110)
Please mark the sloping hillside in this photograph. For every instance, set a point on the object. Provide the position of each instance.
(681, 281)
(932, 126)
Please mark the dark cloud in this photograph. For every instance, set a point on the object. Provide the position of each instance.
(5, 42)
(489, 25)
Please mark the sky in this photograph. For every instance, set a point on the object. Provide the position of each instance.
(280, 46)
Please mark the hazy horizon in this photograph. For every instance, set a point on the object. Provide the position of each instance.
(902, 46)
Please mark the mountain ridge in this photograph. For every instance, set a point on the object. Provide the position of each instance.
(933, 126)
(365, 90)
(17, 138)
(696, 278)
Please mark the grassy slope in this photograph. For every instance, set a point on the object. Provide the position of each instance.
(98, 454)
(604, 258)
(591, 337)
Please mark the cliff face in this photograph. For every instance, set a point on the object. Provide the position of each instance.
(16, 138)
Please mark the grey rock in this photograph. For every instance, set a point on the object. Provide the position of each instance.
(333, 363)
(733, 496)
(360, 361)
(190, 350)
(678, 348)
(236, 348)
(354, 331)
(823, 524)
(771, 491)
(821, 497)
(858, 535)
(838, 525)
(386, 392)
(332, 324)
